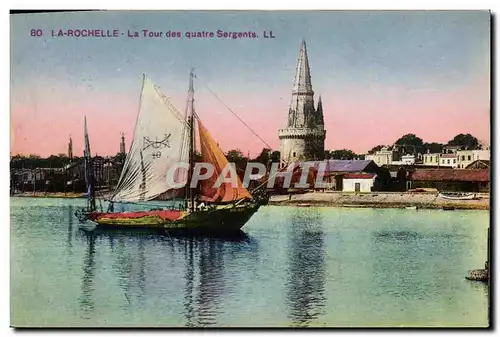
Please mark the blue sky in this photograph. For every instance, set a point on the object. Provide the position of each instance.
(352, 54)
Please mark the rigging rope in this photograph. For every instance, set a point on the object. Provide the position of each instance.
(234, 113)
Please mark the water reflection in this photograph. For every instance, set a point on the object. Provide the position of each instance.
(86, 300)
(306, 268)
(189, 279)
(202, 260)
(211, 280)
(70, 231)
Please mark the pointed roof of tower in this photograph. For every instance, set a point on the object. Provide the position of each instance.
(303, 75)
(319, 112)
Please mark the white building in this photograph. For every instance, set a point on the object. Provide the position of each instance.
(382, 157)
(466, 157)
(358, 182)
(431, 159)
(448, 160)
(408, 159)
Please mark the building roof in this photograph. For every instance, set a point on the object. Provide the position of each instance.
(449, 155)
(450, 175)
(359, 176)
(484, 164)
(337, 165)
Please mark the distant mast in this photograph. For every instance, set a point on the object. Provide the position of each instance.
(190, 116)
(89, 174)
(70, 148)
(122, 144)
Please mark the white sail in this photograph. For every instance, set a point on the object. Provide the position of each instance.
(159, 142)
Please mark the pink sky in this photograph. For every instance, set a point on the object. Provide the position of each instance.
(356, 118)
(381, 74)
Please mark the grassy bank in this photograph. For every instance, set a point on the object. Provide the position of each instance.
(378, 200)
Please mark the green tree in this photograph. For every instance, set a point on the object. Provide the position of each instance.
(433, 147)
(119, 158)
(275, 156)
(375, 149)
(465, 140)
(411, 143)
(264, 156)
(342, 154)
(238, 158)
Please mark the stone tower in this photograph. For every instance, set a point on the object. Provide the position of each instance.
(304, 136)
(122, 144)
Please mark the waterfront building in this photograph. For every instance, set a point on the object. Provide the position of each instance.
(385, 156)
(431, 159)
(450, 180)
(467, 157)
(407, 159)
(358, 182)
(447, 149)
(304, 135)
(479, 164)
(335, 171)
(448, 160)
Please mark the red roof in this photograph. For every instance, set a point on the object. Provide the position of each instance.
(451, 175)
(359, 176)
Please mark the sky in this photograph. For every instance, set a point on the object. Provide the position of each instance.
(381, 74)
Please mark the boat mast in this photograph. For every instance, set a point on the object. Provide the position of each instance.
(89, 172)
(190, 190)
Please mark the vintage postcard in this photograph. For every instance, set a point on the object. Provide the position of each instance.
(250, 169)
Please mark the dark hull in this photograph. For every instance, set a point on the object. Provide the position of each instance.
(217, 221)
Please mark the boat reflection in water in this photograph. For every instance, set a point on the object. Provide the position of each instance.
(306, 267)
(86, 300)
(181, 273)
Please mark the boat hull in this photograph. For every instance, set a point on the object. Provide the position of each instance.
(458, 196)
(223, 220)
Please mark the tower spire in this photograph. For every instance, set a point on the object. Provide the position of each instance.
(303, 74)
(304, 136)
(319, 112)
(301, 113)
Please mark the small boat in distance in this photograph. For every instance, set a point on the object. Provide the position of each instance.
(457, 196)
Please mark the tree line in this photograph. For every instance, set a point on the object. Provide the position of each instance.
(409, 143)
(412, 144)
(33, 161)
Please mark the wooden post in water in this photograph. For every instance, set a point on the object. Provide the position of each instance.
(488, 254)
(34, 182)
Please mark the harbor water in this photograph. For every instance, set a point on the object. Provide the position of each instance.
(293, 266)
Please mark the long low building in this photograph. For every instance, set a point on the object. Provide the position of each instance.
(465, 180)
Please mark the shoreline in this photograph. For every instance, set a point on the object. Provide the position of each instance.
(341, 199)
(50, 195)
(378, 200)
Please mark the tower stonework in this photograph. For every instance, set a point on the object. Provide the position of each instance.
(304, 136)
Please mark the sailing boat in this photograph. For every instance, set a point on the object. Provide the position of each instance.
(162, 139)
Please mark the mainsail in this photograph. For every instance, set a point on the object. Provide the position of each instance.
(211, 153)
(159, 142)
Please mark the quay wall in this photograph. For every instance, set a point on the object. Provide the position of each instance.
(379, 200)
